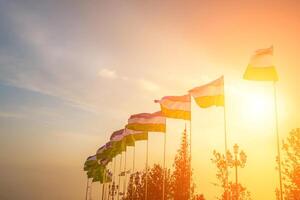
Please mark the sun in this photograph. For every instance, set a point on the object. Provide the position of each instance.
(259, 106)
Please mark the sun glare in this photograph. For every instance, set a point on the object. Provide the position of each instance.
(259, 107)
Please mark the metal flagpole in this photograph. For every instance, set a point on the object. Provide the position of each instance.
(133, 165)
(190, 146)
(110, 181)
(124, 184)
(90, 192)
(133, 160)
(225, 140)
(114, 169)
(146, 186)
(114, 173)
(119, 176)
(106, 185)
(164, 167)
(87, 188)
(278, 141)
(100, 191)
(103, 188)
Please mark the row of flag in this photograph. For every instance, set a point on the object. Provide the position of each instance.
(260, 68)
(138, 126)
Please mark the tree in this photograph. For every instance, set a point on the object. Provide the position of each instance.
(155, 187)
(182, 173)
(177, 185)
(291, 166)
(137, 183)
(199, 197)
(231, 189)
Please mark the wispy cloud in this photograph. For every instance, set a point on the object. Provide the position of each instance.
(11, 115)
(108, 73)
(46, 62)
(148, 85)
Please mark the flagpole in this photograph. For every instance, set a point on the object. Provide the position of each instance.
(146, 187)
(124, 184)
(164, 167)
(225, 128)
(133, 165)
(133, 160)
(105, 185)
(90, 192)
(109, 183)
(103, 189)
(100, 191)
(114, 174)
(87, 188)
(108, 186)
(225, 141)
(190, 146)
(120, 176)
(278, 141)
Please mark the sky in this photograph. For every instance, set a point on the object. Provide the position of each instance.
(73, 71)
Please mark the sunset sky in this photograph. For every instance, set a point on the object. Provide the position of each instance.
(73, 71)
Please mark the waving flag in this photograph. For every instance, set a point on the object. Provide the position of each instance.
(118, 143)
(211, 94)
(101, 150)
(90, 162)
(122, 138)
(100, 174)
(260, 67)
(178, 107)
(150, 122)
(93, 169)
(135, 135)
(117, 136)
(106, 151)
(104, 161)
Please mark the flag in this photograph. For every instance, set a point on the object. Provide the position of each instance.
(100, 174)
(95, 169)
(260, 67)
(97, 174)
(178, 107)
(117, 143)
(128, 137)
(90, 162)
(104, 151)
(101, 150)
(150, 122)
(117, 136)
(132, 135)
(211, 94)
(105, 161)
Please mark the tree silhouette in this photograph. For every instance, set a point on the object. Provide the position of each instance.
(182, 173)
(291, 166)
(231, 189)
(199, 197)
(137, 182)
(177, 185)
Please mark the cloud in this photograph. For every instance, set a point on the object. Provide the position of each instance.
(11, 115)
(107, 73)
(42, 58)
(148, 85)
